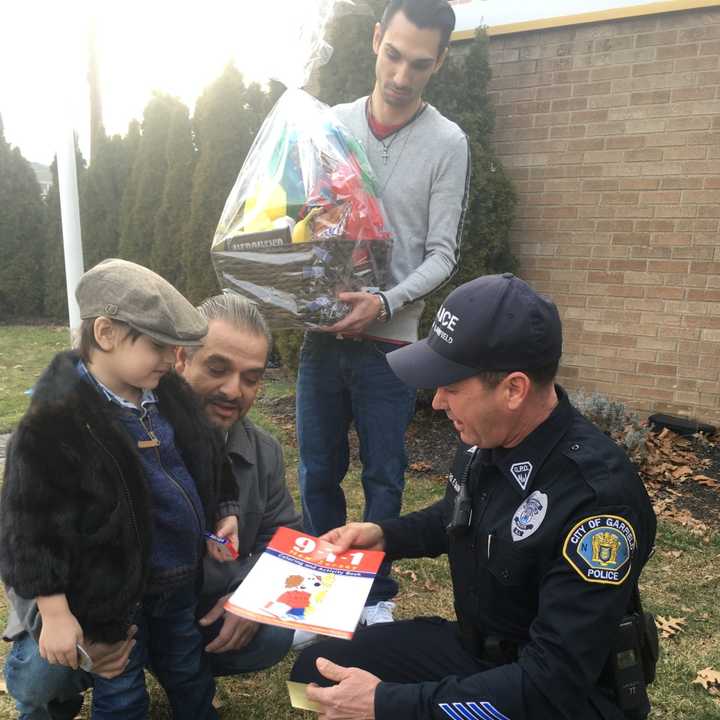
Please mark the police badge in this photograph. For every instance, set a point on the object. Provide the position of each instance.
(529, 516)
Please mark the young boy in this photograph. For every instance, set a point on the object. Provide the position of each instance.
(112, 478)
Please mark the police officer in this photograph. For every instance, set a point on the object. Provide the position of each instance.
(547, 527)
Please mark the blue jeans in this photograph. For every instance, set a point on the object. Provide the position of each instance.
(169, 642)
(42, 691)
(52, 692)
(340, 381)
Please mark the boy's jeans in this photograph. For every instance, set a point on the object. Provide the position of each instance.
(52, 692)
(340, 381)
(42, 691)
(170, 643)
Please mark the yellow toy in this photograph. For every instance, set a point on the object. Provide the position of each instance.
(303, 230)
(262, 208)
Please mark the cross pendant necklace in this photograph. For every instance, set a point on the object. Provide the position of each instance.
(385, 154)
(386, 147)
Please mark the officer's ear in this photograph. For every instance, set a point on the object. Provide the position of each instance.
(517, 387)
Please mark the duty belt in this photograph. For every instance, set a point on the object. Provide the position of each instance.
(499, 650)
(493, 648)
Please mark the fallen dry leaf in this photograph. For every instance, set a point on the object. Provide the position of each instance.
(709, 679)
(682, 471)
(669, 627)
(406, 573)
(420, 466)
(705, 480)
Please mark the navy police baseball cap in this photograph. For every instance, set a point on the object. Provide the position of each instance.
(495, 322)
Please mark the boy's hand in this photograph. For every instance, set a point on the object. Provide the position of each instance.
(227, 528)
(59, 638)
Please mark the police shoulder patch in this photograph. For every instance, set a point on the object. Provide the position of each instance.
(600, 549)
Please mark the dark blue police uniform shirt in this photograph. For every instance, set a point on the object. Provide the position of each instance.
(561, 528)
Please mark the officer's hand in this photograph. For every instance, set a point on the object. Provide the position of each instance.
(235, 633)
(353, 698)
(367, 536)
(110, 660)
(365, 309)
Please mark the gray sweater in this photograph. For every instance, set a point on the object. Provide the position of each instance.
(424, 190)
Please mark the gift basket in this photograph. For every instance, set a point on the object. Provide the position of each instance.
(304, 221)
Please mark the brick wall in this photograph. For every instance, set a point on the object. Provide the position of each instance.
(611, 132)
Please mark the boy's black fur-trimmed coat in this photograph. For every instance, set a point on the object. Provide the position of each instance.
(75, 514)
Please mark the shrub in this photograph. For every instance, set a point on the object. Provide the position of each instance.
(615, 420)
(287, 346)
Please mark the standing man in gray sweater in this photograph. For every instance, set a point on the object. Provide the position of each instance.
(422, 165)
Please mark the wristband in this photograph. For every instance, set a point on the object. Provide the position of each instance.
(384, 312)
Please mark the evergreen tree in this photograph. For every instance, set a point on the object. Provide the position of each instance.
(174, 212)
(144, 192)
(102, 194)
(22, 221)
(132, 145)
(227, 117)
(350, 74)
(459, 91)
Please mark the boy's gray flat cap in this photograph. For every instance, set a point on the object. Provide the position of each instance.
(122, 290)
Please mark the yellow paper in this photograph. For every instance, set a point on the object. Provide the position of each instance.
(299, 698)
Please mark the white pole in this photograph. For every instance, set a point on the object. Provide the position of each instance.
(70, 216)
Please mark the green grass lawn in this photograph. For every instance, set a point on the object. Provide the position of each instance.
(681, 580)
(24, 352)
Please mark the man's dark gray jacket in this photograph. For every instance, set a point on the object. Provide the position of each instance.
(264, 500)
